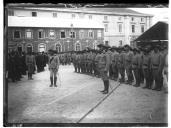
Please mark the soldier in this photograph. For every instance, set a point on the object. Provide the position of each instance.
(79, 61)
(136, 65)
(120, 63)
(30, 62)
(128, 62)
(97, 73)
(146, 66)
(103, 66)
(93, 62)
(114, 59)
(53, 67)
(156, 68)
(110, 58)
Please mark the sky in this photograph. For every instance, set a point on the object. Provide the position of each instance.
(160, 14)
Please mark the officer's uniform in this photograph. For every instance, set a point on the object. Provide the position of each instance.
(104, 63)
(53, 68)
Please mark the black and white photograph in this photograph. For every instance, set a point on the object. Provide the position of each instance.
(85, 65)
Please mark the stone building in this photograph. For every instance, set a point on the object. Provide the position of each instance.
(117, 26)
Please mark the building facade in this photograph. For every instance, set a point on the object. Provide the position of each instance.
(119, 26)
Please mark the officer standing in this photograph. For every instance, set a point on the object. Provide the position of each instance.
(30, 62)
(104, 63)
(53, 67)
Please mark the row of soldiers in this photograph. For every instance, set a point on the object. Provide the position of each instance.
(65, 58)
(143, 63)
(17, 66)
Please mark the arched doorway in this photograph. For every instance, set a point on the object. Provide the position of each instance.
(29, 47)
(58, 48)
(42, 47)
(78, 47)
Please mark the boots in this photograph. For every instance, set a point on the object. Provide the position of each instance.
(31, 77)
(55, 79)
(106, 87)
(51, 80)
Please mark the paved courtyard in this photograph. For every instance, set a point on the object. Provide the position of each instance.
(33, 101)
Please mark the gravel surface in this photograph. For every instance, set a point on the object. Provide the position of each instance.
(33, 101)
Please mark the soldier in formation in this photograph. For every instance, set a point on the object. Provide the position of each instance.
(147, 65)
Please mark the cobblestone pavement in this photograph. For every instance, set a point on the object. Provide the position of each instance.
(33, 101)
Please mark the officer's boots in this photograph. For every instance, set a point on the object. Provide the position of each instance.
(106, 87)
(51, 80)
(55, 79)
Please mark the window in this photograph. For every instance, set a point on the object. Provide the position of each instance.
(81, 34)
(90, 17)
(40, 34)
(17, 34)
(99, 33)
(81, 15)
(119, 18)
(105, 17)
(73, 16)
(132, 18)
(120, 43)
(120, 27)
(90, 34)
(58, 48)
(10, 12)
(78, 47)
(142, 28)
(52, 34)
(54, 14)
(142, 19)
(106, 27)
(28, 34)
(42, 48)
(63, 34)
(34, 14)
(133, 28)
(72, 34)
(106, 42)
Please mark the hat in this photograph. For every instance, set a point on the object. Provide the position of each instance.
(100, 45)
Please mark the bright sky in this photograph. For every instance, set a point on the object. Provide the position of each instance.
(160, 14)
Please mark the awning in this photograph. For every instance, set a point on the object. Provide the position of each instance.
(158, 32)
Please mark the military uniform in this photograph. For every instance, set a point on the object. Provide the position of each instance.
(120, 65)
(97, 73)
(156, 69)
(114, 59)
(136, 65)
(128, 62)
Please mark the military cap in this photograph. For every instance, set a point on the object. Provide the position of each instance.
(126, 46)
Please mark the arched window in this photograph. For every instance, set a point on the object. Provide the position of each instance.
(78, 47)
(42, 47)
(29, 47)
(19, 48)
(58, 48)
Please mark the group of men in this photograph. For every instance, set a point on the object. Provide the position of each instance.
(145, 64)
(18, 64)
